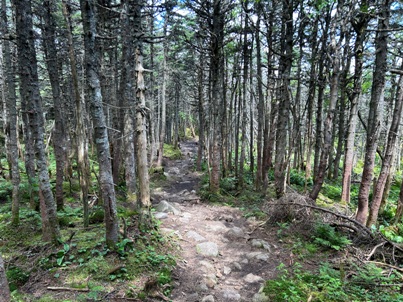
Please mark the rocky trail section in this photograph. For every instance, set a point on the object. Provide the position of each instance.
(223, 256)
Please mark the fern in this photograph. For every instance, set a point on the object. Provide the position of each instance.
(326, 236)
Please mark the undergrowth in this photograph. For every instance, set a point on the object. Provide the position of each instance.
(347, 282)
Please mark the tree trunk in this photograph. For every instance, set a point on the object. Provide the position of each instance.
(59, 133)
(92, 64)
(388, 157)
(260, 106)
(142, 166)
(83, 163)
(163, 94)
(29, 91)
(4, 289)
(328, 127)
(11, 129)
(359, 28)
(284, 106)
(375, 111)
(127, 93)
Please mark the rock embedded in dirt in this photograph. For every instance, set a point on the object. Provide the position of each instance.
(258, 256)
(216, 226)
(195, 236)
(227, 270)
(208, 298)
(211, 280)
(235, 233)
(160, 215)
(193, 297)
(230, 295)
(237, 266)
(166, 207)
(259, 243)
(251, 278)
(207, 249)
(260, 297)
(206, 267)
(202, 287)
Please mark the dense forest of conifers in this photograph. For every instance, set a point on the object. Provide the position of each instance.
(271, 89)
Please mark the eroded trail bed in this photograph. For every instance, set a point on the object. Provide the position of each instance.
(223, 256)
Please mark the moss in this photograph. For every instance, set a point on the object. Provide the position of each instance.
(171, 152)
(16, 277)
(97, 216)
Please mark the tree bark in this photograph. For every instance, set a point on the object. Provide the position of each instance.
(388, 157)
(328, 126)
(142, 167)
(284, 106)
(11, 126)
(54, 78)
(359, 28)
(375, 111)
(29, 91)
(92, 64)
(83, 163)
(4, 289)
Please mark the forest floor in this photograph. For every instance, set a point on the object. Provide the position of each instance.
(198, 250)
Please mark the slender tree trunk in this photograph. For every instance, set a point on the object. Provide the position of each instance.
(142, 166)
(359, 28)
(163, 94)
(311, 97)
(127, 91)
(388, 157)
(328, 127)
(4, 289)
(92, 63)
(83, 163)
(375, 111)
(11, 117)
(29, 91)
(217, 63)
(260, 106)
(53, 70)
(284, 106)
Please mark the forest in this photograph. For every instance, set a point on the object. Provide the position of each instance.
(283, 114)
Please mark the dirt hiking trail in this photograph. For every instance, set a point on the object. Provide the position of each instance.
(223, 256)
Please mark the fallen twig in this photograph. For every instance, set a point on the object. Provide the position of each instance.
(374, 249)
(387, 265)
(86, 289)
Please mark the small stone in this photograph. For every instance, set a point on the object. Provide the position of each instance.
(206, 267)
(193, 191)
(227, 270)
(195, 236)
(202, 287)
(251, 278)
(231, 295)
(208, 298)
(259, 243)
(216, 226)
(245, 261)
(166, 207)
(211, 280)
(193, 297)
(208, 249)
(260, 297)
(235, 233)
(258, 256)
(237, 266)
(160, 215)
